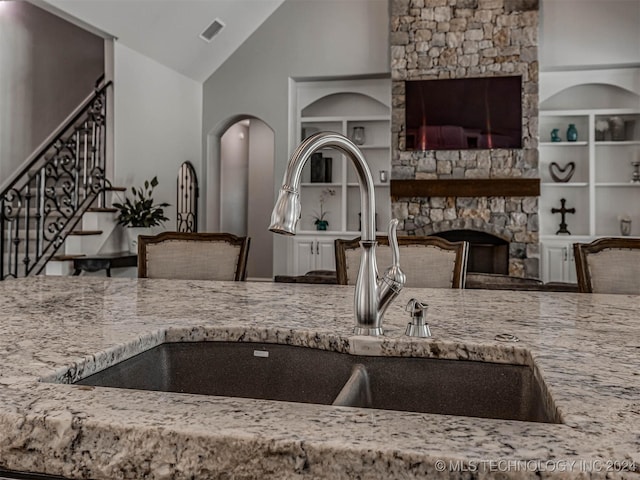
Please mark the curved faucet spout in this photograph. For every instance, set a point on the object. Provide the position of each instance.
(371, 297)
(286, 212)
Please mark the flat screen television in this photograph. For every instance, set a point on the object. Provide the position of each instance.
(464, 113)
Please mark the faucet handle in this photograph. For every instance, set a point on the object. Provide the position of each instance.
(390, 284)
(418, 327)
(394, 276)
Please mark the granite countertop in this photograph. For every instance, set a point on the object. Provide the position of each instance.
(587, 348)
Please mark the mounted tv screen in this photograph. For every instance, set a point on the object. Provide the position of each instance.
(464, 113)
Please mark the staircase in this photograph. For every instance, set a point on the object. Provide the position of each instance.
(57, 205)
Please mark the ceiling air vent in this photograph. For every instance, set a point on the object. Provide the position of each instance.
(212, 30)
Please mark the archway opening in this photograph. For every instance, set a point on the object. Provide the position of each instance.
(245, 162)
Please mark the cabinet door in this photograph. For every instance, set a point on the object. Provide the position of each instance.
(325, 255)
(554, 259)
(304, 255)
(559, 264)
(570, 274)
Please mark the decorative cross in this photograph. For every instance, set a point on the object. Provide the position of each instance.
(563, 211)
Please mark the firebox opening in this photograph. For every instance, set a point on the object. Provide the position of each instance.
(487, 253)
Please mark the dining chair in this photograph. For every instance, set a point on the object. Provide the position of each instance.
(193, 256)
(608, 265)
(426, 261)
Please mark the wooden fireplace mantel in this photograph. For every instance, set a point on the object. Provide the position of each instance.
(467, 187)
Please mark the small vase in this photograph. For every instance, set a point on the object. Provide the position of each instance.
(625, 227)
(132, 236)
(555, 136)
(358, 135)
(322, 224)
(572, 133)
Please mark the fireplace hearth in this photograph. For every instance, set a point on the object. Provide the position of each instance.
(487, 253)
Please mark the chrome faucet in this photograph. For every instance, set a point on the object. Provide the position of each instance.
(373, 294)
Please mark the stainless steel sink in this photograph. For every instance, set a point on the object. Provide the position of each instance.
(299, 374)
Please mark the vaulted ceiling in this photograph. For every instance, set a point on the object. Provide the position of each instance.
(168, 31)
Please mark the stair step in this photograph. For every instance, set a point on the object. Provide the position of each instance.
(64, 258)
(85, 232)
(102, 209)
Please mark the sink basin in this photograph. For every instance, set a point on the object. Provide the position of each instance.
(299, 374)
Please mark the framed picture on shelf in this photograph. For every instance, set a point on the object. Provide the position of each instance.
(321, 168)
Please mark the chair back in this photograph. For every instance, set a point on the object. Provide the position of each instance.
(428, 262)
(193, 256)
(608, 265)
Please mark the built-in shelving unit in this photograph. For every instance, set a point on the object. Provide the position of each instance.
(339, 106)
(601, 188)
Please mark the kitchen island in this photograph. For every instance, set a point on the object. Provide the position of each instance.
(57, 330)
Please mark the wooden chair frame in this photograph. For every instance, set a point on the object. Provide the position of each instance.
(582, 250)
(242, 242)
(461, 249)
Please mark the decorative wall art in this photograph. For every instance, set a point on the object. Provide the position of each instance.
(563, 211)
(562, 174)
(616, 124)
(321, 168)
(635, 176)
(602, 128)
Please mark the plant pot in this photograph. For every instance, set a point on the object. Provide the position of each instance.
(322, 224)
(132, 235)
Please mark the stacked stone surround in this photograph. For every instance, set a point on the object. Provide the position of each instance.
(434, 39)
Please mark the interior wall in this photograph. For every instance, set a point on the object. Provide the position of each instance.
(302, 39)
(234, 179)
(261, 160)
(575, 33)
(157, 125)
(47, 67)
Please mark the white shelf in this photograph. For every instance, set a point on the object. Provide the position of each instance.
(347, 118)
(565, 184)
(373, 147)
(565, 144)
(621, 143)
(320, 184)
(356, 184)
(618, 184)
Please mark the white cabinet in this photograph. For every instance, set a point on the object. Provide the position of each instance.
(558, 262)
(313, 253)
(349, 107)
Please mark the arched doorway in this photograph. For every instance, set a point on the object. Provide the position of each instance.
(240, 172)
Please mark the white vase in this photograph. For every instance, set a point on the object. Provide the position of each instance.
(132, 234)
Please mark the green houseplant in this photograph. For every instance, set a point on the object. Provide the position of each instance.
(321, 222)
(139, 213)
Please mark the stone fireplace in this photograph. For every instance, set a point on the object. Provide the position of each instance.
(435, 39)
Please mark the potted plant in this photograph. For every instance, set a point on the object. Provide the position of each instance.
(321, 222)
(139, 213)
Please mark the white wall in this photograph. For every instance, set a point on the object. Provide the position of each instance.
(576, 33)
(261, 160)
(158, 123)
(234, 174)
(302, 39)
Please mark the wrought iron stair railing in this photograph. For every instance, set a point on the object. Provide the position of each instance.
(45, 200)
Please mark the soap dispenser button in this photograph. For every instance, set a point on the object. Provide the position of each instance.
(418, 326)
